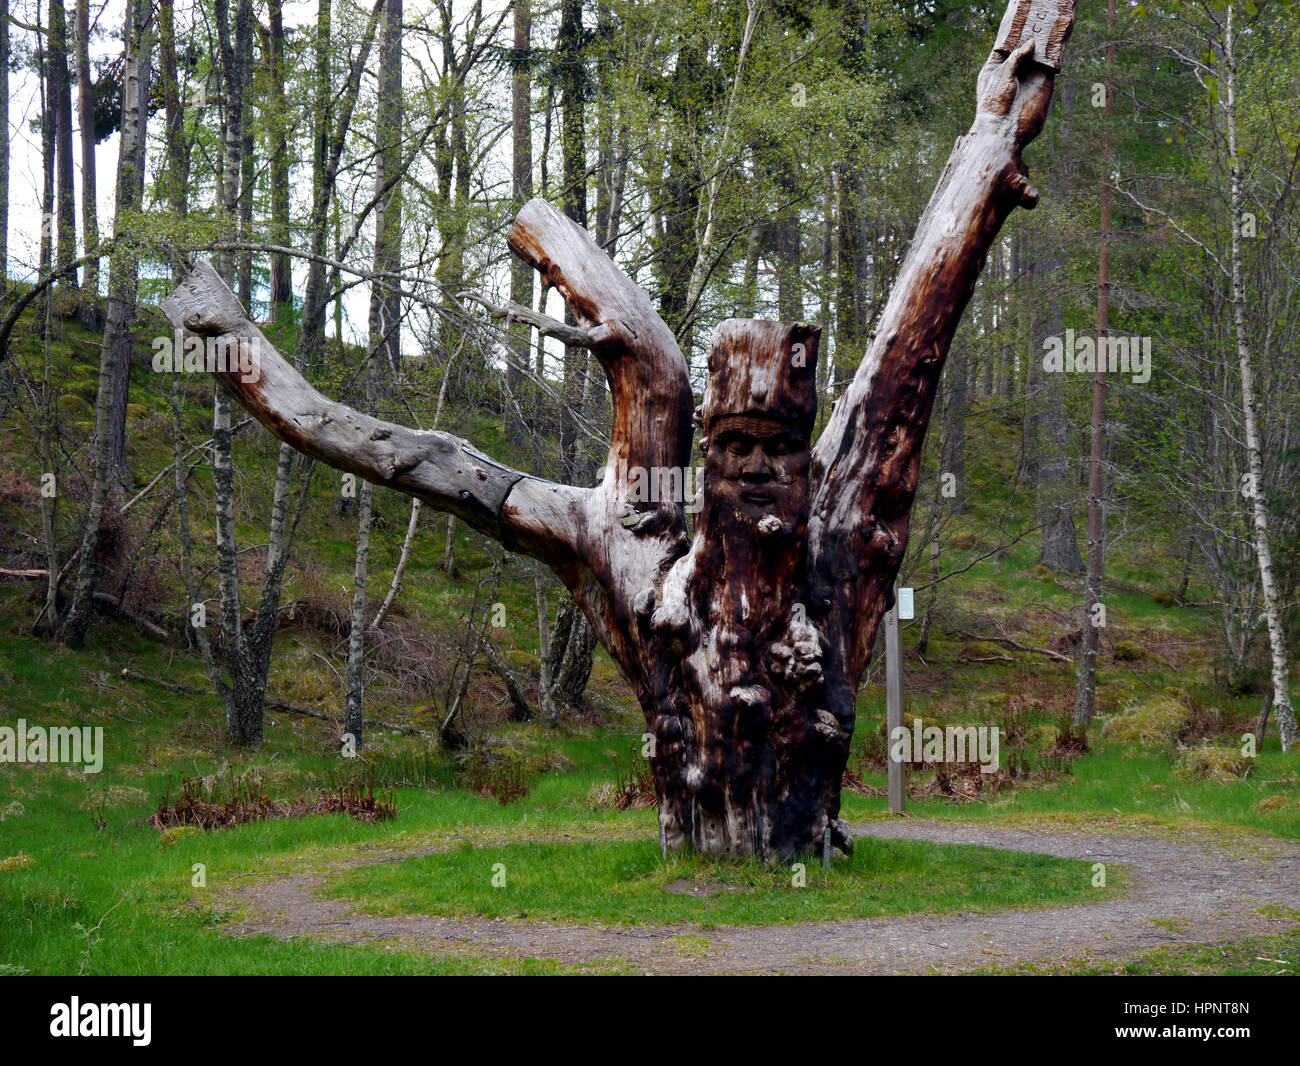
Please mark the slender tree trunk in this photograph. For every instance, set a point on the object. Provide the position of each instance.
(412, 525)
(354, 705)
(333, 120)
(571, 649)
(1060, 548)
(569, 673)
(49, 466)
(196, 626)
(573, 200)
(954, 428)
(932, 601)
(1281, 671)
(313, 308)
(851, 253)
(245, 707)
(1085, 697)
(449, 549)
(47, 167)
(177, 170)
(278, 122)
(385, 300)
(521, 174)
(4, 156)
(1001, 273)
(60, 91)
(86, 120)
(244, 710)
(403, 559)
(356, 677)
(1028, 465)
(826, 283)
(122, 281)
(384, 348)
(1008, 378)
(244, 20)
(544, 689)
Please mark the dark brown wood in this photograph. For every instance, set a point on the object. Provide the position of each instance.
(745, 642)
(1262, 723)
(1085, 695)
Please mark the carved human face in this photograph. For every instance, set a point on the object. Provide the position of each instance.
(757, 466)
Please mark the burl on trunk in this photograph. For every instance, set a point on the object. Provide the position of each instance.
(744, 639)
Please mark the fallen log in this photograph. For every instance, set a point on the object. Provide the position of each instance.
(1018, 646)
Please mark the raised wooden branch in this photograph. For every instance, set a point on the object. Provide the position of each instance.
(441, 469)
(866, 464)
(745, 643)
(647, 375)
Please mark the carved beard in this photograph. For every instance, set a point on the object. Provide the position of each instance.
(750, 570)
(750, 661)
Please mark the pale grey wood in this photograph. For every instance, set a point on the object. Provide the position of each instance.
(439, 468)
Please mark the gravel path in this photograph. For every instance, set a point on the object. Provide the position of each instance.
(1177, 892)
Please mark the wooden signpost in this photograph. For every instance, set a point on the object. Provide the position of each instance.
(894, 710)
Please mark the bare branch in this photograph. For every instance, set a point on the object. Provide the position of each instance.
(571, 336)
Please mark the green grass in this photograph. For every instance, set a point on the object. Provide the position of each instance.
(626, 883)
(1128, 779)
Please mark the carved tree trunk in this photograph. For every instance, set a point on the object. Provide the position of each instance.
(745, 644)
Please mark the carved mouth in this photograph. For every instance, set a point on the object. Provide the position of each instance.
(759, 496)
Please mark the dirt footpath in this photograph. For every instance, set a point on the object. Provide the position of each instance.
(1176, 892)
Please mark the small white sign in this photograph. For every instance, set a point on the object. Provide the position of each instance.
(905, 606)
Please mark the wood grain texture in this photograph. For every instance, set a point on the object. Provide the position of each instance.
(1048, 23)
(439, 468)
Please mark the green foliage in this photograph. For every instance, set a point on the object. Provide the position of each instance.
(1209, 762)
(628, 883)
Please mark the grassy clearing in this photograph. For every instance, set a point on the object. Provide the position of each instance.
(96, 865)
(86, 884)
(629, 883)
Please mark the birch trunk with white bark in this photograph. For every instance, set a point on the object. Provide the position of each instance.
(1283, 711)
